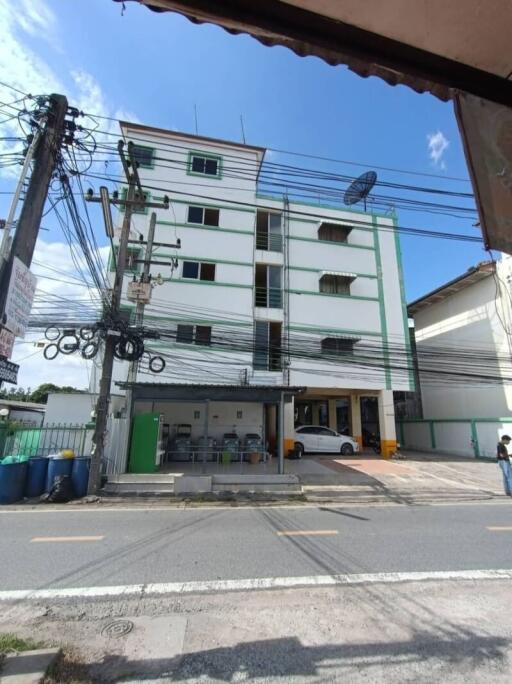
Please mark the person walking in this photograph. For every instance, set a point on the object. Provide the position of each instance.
(504, 464)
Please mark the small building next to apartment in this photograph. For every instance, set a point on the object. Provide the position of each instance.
(300, 300)
(463, 339)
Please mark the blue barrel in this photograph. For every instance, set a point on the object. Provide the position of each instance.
(57, 466)
(37, 468)
(12, 482)
(80, 475)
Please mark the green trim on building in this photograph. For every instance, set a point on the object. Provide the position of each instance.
(331, 207)
(327, 294)
(474, 439)
(192, 202)
(182, 257)
(199, 226)
(134, 250)
(206, 155)
(124, 193)
(508, 419)
(432, 433)
(341, 331)
(147, 147)
(382, 308)
(412, 384)
(330, 243)
(196, 281)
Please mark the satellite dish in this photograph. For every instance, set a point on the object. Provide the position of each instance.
(360, 188)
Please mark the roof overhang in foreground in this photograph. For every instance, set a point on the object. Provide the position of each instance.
(449, 48)
(472, 275)
(153, 391)
(429, 45)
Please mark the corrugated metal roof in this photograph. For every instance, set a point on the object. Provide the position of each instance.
(343, 274)
(453, 47)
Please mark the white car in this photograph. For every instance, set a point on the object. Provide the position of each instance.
(316, 438)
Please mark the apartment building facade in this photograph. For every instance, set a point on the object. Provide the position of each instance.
(265, 292)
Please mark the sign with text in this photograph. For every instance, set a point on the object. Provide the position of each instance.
(9, 371)
(20, 296)
(6, 342)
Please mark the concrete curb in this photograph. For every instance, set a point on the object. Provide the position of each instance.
(27, 667)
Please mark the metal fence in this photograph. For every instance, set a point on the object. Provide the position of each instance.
(41, 441)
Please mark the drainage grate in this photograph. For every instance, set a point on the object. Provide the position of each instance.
(117, 628)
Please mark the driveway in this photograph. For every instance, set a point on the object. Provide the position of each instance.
(416, 478)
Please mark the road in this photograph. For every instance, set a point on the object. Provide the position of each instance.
(92, 548)
(246, 594)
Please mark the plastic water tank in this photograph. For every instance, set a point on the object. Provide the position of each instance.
(37, 469)
(80, 475)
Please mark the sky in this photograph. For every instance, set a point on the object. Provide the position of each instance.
(158, 68)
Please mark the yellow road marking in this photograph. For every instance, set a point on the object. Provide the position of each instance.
(500, 529)
(68, 539)
(304, 533)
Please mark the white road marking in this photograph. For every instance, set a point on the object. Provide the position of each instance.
(258, 584)
(306, 533)
(82, 538)
(500, 529)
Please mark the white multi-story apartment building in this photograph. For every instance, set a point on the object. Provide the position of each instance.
(266, 294)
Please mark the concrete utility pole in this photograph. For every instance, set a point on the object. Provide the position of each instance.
(134, 199)
(45, 161)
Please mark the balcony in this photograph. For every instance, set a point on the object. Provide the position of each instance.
(268, 297)
(269, 242)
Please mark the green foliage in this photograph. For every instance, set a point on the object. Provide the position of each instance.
(10, 642)
(38, 396)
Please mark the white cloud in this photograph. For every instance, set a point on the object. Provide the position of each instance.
(437, 146)
(58, 288)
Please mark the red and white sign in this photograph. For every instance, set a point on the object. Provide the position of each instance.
(20, 296)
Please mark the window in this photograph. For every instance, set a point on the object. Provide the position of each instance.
(335, 284)
(267, 346)
(333, 232)
(309, 430)
(194, 334)
(338, 345)
(268, 231)
(326, 432)
(203, 215)
(185, 334)
(267, 290)
(137, 209)
(144, 156)
(198, 270)
(204, 334)
(204, 164)
(130, 264)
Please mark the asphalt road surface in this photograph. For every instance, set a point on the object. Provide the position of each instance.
(224, 595)
(90, 548)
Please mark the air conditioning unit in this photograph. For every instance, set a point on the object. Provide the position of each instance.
(139, 292)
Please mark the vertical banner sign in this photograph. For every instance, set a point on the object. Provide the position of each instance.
(20, 296)
(6, 342)
(486, 129)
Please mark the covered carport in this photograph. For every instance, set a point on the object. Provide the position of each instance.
(211, 411)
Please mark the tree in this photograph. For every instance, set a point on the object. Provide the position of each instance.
(40, 394)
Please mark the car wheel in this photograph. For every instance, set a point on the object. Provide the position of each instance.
(347, 449)
(299, 449)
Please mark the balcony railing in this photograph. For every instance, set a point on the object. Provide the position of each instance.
(269, 242)
(268, 297)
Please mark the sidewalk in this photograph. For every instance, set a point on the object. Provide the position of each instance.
(418, 478)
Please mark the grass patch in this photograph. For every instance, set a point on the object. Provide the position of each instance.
(10, 642)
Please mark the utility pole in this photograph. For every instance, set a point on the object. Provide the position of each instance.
(134, 199)
(46, 157)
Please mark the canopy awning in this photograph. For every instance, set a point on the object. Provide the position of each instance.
(341, 274)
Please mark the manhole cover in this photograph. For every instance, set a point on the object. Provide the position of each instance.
(117, 628)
